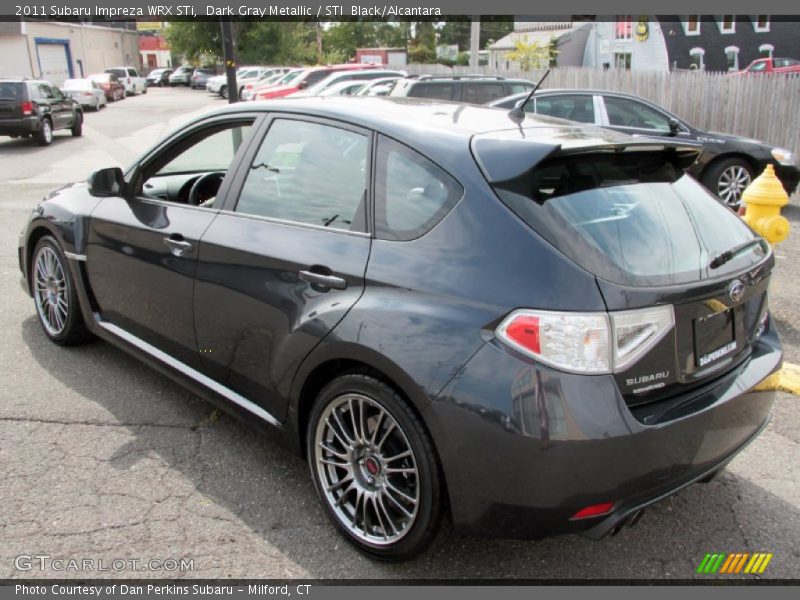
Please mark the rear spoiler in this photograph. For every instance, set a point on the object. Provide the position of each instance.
(503, 157)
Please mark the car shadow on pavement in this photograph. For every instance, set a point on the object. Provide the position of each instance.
(250, 502)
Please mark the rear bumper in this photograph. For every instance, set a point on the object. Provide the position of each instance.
(789, 176)
(19, 126)
(524, 448)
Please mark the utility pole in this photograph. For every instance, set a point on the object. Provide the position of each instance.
(230, 61)
(474, 42)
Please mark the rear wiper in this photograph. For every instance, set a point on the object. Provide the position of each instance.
(723, 257)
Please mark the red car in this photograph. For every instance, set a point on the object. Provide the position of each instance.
(772, 65)
(311, 76)
(112, 86)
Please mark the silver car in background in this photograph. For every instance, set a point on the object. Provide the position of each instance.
(85, 92)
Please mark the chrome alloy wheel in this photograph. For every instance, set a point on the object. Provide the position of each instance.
(47, 131)
(367, 469)
(732, 183)
(50, 291)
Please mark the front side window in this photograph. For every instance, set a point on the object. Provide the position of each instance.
(412, 194)
(578, 108)
(309, 173)
(212, 153)
(624, 112)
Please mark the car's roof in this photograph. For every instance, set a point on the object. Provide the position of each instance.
(401, 114)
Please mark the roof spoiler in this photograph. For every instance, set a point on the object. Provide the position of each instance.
(507, 159)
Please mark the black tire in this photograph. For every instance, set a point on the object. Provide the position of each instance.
(74, 329)
(223, 91)
(727, 179)
(241, 91)
(44, 137)
(144, 91)
(77, 125)
(426, 481)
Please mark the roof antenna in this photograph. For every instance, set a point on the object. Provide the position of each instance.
(517, 114)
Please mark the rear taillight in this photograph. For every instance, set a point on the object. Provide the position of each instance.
(592, 343)
(89, 94)
(595, 510)
(27, 108)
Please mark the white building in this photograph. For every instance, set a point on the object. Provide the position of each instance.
(57, 51)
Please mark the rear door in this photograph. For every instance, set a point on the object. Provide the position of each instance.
(285, 260)
(573, 107)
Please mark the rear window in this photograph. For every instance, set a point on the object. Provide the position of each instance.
(631, 218)
(117, 72)
(11, 90)
(481, 93)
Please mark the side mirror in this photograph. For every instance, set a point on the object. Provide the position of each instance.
(303, 85)
(674, 126)
(106, 182)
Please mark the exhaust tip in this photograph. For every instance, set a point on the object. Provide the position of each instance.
(635, 518)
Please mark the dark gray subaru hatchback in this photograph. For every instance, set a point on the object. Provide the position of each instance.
(517, 327)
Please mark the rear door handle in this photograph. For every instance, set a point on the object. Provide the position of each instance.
(323, 281)
(177, 245)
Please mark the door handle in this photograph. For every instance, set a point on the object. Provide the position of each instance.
(177, 245)
(323, 281)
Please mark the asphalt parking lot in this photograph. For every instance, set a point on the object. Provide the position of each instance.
(104, 459)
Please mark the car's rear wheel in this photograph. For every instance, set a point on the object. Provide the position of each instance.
(223, 91)
(727, 179)
(45, 134)
(375, 468)
(55, 296)
(77, 126)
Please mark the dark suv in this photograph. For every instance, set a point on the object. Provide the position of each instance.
(475, 89)
(36, 108)
(526, 326)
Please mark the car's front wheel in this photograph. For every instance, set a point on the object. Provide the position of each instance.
(727, 179)
(375, 468)
(55, 296)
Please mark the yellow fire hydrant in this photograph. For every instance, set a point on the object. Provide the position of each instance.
(763, 200)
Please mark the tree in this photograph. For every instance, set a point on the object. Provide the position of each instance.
(532, 55)
(458, 30)
(195, 39)
(422, 47)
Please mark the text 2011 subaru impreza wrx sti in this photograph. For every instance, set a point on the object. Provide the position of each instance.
(519, 327)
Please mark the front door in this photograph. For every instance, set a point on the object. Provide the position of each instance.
(142, 250)
(283, 263)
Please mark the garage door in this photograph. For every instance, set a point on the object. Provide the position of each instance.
(53, 62)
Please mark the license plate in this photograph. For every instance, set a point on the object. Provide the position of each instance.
(714, 337)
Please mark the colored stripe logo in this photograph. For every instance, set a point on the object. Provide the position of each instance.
(736, 562)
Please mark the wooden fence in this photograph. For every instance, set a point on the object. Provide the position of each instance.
(765, 107)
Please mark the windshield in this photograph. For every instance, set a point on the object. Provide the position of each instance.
(76, 84)
(117, 72)
(634, 220)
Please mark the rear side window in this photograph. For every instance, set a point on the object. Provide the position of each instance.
(632, 218)
(432, 90)
(518, 88)
(574, 108)
(315, 76)
(481, 93)
(309, 173)
(411, 193)
(133, 73)
(623, 112)
(117, 72)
